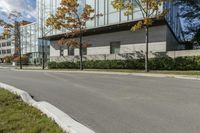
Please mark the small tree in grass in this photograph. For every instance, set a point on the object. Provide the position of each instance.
(150, 10)
(71, 17)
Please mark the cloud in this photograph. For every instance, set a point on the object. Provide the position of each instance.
(25, 7)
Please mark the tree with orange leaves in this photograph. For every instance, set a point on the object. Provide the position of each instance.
(24, 59)
(71, 17)
(151, 10)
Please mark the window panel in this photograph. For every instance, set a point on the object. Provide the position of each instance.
(84, 50)
(101, 8)
(70, 51)
(61, 51)
(8, 51)
(115, 47)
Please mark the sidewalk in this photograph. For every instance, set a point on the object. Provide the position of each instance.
(30, 67)
(136, 73)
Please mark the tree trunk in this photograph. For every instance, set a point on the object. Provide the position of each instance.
(20, 53)
(43, 55)
(147, 49)
(17, 35)
(81, 52)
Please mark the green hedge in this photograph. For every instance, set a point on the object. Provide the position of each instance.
(164, 63)
(63, 65)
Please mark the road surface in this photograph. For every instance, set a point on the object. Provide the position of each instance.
(114, 103)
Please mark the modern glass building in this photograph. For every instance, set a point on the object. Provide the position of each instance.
(110, 34)
(29, 38)
(31, 45)
(29, 42)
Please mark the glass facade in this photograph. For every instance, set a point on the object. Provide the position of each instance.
(31, 45)
(174, 21)
(44, 9)
(110, 15)
(29, 38)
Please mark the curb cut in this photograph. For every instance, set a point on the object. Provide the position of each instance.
(63, 120)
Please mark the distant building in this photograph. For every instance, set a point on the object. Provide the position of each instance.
(6, 47)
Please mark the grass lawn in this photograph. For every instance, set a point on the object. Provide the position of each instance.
(18, 117)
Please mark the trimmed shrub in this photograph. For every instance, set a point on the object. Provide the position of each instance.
(186, 63)
(163, 63)
(139, 64)
(117, 64)
(197, 58)
(61, 65)
(97, 64)
(52, 65)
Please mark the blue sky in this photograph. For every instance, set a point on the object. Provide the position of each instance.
(25, 7)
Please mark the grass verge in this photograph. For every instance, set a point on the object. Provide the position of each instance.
(18, 117)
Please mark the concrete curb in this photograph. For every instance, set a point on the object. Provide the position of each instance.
(63, 120)
(6, 67)
(196, 77)
(168, 76)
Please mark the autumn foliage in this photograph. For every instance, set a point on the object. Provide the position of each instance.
(24, 59)
(8, 59)
(72, 43)
(72, 17)
(151, 10)
(11, 58)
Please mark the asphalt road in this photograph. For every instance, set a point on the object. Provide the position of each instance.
(117, 104)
